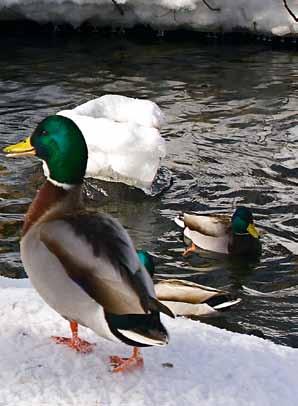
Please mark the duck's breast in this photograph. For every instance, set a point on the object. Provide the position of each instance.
(51, 281)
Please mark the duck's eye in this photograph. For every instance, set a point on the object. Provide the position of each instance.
(44, 132)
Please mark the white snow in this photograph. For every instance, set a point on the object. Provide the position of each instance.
(123, 109)
(267, 16)
(123, 139)
(202, 365)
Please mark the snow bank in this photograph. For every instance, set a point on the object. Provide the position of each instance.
(202, 365)
(269, 16)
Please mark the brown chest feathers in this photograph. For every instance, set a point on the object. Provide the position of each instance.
(47, 197)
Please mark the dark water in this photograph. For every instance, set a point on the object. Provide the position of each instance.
(231, 135)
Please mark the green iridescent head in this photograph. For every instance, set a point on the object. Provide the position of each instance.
(60, 144)
(147, 260)
(242, 222)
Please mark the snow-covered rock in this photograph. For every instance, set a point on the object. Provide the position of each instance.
(267, 16)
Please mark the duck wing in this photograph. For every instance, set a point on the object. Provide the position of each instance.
(213, 226)
(97, 253)
(184, 291)
(211, 233)
(187, 298)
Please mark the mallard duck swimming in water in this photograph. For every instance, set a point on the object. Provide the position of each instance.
(186, 298)
(83, 264)
(122, 136)
(236, 236)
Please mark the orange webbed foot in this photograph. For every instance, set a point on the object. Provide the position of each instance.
(76, 344)
(127, 364)
(189, 250)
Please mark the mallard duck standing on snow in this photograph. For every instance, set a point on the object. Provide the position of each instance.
(236, 236)
(122, 136)
(186, 298)
(83, 264)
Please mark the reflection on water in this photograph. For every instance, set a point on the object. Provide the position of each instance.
(231, 137)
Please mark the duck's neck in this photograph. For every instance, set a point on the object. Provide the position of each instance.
(48, 196)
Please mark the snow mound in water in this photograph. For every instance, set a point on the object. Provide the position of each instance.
(123, 139)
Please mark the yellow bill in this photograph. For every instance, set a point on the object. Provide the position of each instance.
(251, 229)
(22, 148)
